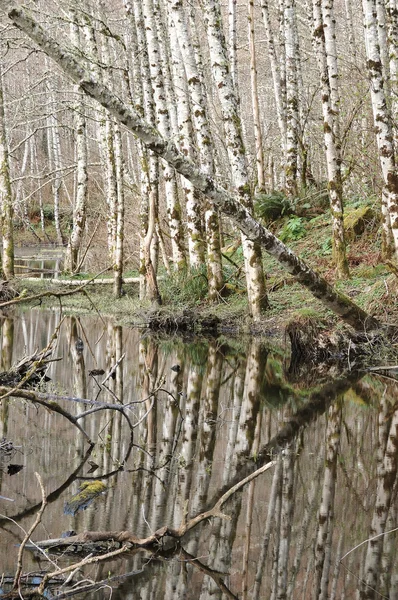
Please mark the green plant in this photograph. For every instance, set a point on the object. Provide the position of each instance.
(271, 207)
(185, 287)
(326, 247)
(294, 229)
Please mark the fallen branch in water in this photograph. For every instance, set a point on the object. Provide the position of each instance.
(127, 537)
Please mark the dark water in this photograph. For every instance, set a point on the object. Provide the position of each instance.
(205, 414)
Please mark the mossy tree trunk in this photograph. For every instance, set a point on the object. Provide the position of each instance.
(382, 120)
(258, 136)
(7, 209)
(292, 100)
(325, 46)
(255, 281)
(80, 203)
(224, 200)
(159, 75)
(192, 62)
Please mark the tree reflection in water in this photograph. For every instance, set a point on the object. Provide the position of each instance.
(184, 436)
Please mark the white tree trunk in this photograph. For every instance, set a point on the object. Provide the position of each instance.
(292, 101)
(232, 126)
(80, 203)
(6, 206)
(324, 39)
(194, 229)
(258, 136)
(276, 75)
(152, 19)
(381, 117)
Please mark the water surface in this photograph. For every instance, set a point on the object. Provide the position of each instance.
(205, 414)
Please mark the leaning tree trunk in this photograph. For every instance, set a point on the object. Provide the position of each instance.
(229, 204)
(257, 296)
(382, 119)
(7, 209)
(324, 40)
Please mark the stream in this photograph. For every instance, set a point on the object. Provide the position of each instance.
(204, 413)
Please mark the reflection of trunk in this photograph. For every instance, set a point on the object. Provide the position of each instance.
(389, 551)
(148, 356)
(326, 509)
(271, 519)
(240, 444)
(79, 371)
(207, 434)
(7, 343)
(387, 472)
(189, 437)
(286, 518)
(275, 550)
(162, 486)
(309, 511)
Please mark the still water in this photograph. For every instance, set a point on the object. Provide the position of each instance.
(204, 414)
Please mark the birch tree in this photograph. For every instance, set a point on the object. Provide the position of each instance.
(382, 123)
(233, 133)
(158, 72)
(292, 101)
(325, 38)
(5, 194)
(149, 172)
(80, 204)
(258, 137)
(191, 57)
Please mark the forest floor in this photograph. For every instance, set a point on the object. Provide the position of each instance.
(185, 306)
